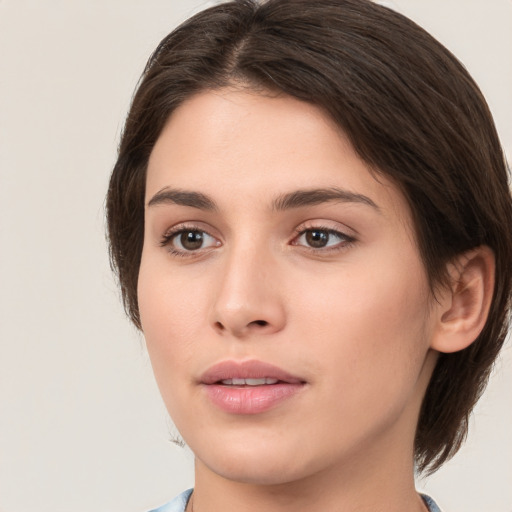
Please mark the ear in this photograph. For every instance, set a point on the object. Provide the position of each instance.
(463, 306)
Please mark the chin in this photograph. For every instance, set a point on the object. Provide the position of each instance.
(256, 463)
(268, 472)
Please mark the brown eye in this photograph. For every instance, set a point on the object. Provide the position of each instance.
(191, 240)
(187, 241)
(317, 238)
(323, 238)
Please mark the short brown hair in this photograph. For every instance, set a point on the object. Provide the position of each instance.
(411, 111)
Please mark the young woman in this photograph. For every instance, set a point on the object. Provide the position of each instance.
(310, 219)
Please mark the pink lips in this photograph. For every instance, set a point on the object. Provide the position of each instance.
(252, 397)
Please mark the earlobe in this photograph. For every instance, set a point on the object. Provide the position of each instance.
(464, 305)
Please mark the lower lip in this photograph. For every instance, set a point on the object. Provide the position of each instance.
(250, 399)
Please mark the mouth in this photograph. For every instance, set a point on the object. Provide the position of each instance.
(249, 382)
(249, 387)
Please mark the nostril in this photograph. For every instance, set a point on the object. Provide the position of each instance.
(261, 323)
(219, 326)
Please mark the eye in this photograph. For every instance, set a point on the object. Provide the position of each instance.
(320, 238)
(188, 240)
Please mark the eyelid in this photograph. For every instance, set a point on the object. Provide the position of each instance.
(182, 226)
(326, 225)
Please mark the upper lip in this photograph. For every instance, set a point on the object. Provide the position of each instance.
(247, 370)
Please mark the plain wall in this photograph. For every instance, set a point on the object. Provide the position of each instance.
(82, 426)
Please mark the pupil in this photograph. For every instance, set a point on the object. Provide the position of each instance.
(317, 238)
(191, 240)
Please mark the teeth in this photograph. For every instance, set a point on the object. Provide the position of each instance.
(260, 382)
(249, 382)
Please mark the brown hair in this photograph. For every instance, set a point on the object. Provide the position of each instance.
(412, 113)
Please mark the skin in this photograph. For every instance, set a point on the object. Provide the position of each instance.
(354, 319)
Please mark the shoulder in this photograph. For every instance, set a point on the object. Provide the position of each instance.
(178, 504)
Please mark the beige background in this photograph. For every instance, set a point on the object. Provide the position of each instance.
(82, 427)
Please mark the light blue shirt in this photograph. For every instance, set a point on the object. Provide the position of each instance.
(179, 503)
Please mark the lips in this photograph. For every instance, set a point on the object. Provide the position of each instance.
(249, 387)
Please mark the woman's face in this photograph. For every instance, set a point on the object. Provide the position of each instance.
(283, 300)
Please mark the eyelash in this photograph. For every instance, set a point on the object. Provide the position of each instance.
(345, 240)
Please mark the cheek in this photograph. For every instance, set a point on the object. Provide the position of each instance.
(169, 300)
(171, 318)
(372, 327)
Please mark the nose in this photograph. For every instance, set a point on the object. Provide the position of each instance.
(249, 298)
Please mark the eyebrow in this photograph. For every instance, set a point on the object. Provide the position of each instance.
(183, 198)
(291, 200)
(309, 197)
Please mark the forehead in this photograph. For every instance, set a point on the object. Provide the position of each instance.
(244, 147)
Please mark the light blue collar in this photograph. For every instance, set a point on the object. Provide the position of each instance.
(179, 504)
